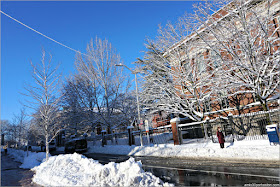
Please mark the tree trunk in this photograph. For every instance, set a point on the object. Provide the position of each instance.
(47, 148)
(266, 108)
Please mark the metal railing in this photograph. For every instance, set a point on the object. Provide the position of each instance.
(247, 126)
(154, 136)
(239, 127)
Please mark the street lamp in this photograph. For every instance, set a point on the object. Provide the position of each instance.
(137, 97)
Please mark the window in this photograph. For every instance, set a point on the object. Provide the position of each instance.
(224, 103)
(188, 70)
(214, 59)
(207, 105)
(200, 63)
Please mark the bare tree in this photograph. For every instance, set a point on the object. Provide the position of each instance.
(79, 105)
(20, 124)
(107, 81)
(214, 58)
(176, 79)
(8, 131)
(44, 99)
(125, 109)
(244, 35)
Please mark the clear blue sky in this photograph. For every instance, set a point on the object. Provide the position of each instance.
(125, 24)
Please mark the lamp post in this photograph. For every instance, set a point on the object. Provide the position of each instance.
(137, 97)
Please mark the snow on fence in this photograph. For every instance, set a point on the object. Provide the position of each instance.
(249, 126)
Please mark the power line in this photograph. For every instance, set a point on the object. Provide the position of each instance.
(43, 34)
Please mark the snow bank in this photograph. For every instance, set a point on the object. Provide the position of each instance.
(16, 154)
(77, 170)
(245, 149)
(33, 159)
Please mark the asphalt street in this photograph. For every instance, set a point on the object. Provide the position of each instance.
(181, 172)
(199, 172)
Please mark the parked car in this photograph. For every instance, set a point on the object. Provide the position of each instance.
(76, 145)
(25, 148)
(52, 146)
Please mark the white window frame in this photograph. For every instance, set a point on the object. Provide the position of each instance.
(186, 67)
(213, 55)
(200, 62)
(224, 98)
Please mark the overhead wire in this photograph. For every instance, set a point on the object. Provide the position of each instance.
(43, 34)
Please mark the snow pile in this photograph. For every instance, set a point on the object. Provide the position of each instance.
(245, 149)
(77, 170)
(16, 154)
(33, 159)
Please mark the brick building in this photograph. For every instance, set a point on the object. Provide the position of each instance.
(202, 56)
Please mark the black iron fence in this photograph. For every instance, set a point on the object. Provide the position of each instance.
(239, 127)
(248, 126)
(153, 136)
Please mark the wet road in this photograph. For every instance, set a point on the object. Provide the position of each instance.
(193, 172)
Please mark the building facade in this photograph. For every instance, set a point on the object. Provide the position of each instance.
(218, 50)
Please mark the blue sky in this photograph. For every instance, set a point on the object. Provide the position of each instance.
(125, 24)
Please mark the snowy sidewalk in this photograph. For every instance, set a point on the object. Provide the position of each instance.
(239, 150)
(12, 175)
